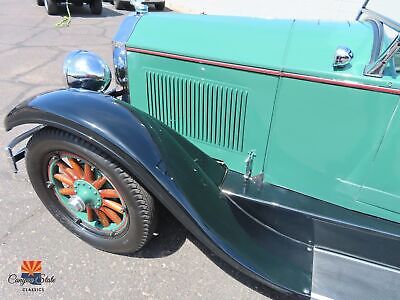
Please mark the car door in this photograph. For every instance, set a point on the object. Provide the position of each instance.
(327, 123)
(381, 189)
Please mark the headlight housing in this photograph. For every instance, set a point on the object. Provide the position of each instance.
(86, 70)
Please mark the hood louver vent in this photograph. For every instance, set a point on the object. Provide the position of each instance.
(198, 109)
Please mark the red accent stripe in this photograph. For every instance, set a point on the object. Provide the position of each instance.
(207, 62)
(269, 71)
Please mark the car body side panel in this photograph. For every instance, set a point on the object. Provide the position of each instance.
(224, 112)
(381, 188)
(324, 138)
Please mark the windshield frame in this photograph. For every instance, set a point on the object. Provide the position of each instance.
(378, 61)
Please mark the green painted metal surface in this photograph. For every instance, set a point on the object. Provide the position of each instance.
(312, 45)
(226, 113)
(381, 189)
(321, 140)
(246, 41)
(88, 193)
(324, 138)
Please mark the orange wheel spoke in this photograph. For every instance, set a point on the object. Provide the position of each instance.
(109, 193)
(63, 167)
(67, 191)
(112, 215)
(113, 205)
(76, 167)
(64, 179)
(90, 214)
(98, 183)
(71, 173)
(88, 174)
(102, 218)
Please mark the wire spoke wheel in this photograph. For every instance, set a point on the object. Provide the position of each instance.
(76, 180)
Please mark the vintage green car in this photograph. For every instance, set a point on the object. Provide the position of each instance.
(275, 142)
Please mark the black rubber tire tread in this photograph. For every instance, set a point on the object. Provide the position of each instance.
(159, 6)
(52, 8)
(119, 4)
(141, 206)
(96, 7)
(40, 2)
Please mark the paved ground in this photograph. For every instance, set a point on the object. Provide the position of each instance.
(174, 266)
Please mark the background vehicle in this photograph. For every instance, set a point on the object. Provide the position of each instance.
(121, 4)
(52, 5)
(270, 160)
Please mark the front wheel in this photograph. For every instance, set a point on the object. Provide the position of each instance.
(40, 2)
(96, 6)
(89, 193)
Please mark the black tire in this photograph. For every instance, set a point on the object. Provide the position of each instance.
(40, 2)
(119, 4)
(96, 7)
(140, 206)
(160, 5)
(51, 7)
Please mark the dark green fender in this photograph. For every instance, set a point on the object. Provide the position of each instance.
(183, 178)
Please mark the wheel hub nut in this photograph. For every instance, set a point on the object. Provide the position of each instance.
(76, 203)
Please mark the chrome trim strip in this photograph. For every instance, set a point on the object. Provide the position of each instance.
(377, 68)
(119, 44)
(377, 28)
(377, 16)
(350, 84)
(126, 29)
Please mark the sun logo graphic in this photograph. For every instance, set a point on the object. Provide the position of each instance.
(31, 271)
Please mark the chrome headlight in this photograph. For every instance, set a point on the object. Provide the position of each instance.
(86, 70)
(120, 64)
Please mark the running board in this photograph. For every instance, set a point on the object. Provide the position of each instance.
(315, 222)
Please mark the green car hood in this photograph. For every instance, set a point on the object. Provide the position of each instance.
(273, 44)
(245, 41)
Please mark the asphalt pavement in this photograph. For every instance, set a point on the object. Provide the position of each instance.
(173, 266)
